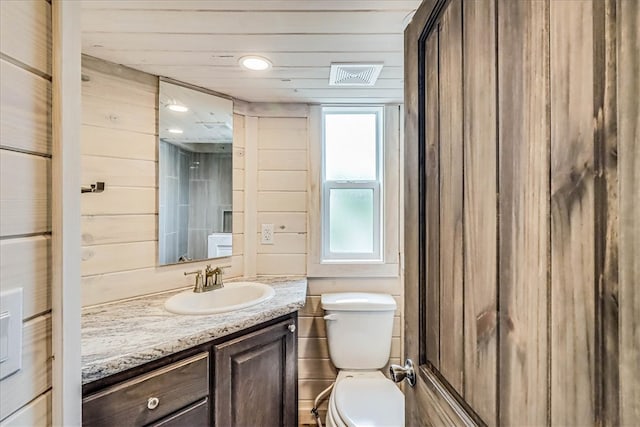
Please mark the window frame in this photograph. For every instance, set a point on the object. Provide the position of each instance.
(393, 194)
(376, 185)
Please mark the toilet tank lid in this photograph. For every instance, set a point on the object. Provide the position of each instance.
(358, 301)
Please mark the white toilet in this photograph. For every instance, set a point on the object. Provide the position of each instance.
(359, 328)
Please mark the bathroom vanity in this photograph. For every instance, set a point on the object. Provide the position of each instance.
(145, 366)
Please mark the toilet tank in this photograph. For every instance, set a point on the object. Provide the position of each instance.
(359, 327)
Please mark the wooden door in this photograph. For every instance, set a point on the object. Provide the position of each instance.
(521, 132)
(256, 378)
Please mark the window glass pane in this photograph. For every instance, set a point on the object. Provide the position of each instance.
(350, 147)
(351, 220)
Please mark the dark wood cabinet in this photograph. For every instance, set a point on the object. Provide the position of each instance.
(196, 415)
(246, 379)
(151, 396)
(256, 379)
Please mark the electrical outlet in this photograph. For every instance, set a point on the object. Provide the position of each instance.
(267, 234)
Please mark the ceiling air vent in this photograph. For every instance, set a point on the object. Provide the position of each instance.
(354, 74)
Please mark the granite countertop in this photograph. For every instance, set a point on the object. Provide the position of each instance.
(122, 335)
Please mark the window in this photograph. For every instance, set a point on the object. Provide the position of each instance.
(351, 179)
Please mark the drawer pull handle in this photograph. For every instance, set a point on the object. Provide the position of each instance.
(153, 403)
(292, 328)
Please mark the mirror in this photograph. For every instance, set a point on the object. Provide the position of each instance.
(195, 131)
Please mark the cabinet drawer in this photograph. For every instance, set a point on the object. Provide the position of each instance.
(151, 396)
(196, 415)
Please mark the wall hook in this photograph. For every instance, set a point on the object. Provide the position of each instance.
(98, 187)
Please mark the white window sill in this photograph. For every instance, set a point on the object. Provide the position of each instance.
(352, 269)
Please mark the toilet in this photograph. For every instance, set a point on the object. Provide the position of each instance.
(359, 328)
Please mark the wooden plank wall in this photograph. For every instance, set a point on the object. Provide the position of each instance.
(548, 206)
(119, 226)
(25, 212)
(451, 243)
(480, 206)
(524, 210)
(281, 193)
(628, 150)
(572, 213)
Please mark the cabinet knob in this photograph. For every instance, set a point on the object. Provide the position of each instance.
(153, 402)
(292, 328)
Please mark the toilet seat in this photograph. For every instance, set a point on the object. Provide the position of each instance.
(362, 399)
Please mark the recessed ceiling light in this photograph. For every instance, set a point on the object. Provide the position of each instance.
(179, 108)
(175, 130)
(255, 63)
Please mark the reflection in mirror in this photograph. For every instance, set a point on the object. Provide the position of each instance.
(194, 177)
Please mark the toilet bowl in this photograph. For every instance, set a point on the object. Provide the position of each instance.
(359, 330)
(365, 398)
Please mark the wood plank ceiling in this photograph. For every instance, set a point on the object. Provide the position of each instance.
(200, 42)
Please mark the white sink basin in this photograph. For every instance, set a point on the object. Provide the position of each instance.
(233, 296)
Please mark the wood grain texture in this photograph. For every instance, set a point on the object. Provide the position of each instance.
(157, 21)
(35, 413)
(451, 197)
(105, 142)
(111, 258)
(282, 180)
(282, 201)
(293, 138)
(25, 115)
(120, 200)
(628, 117)
(255, 378)
(176, 386)
(198, 414)
(480, 208)
(572, 214)
(117, 83)
(118, 171)
(26, 263)
(278, 264)
(523, 29)
(25, 32)
(103, 112)
(432, 184)
(34, 378)
(106, 229)
(607, 213)
(24, 193)
(437, 406)
(287, 160)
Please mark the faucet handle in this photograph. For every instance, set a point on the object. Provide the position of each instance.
(217, 276)
(199, 286)
(209, 271)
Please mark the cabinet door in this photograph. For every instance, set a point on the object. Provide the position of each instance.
(256, 378)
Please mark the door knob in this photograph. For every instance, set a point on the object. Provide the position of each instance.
(406, 372)
(292, 328)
